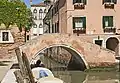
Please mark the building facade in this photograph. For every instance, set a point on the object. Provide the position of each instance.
(98, 21)
(38, 12)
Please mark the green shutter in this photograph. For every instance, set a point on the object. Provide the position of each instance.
(73, 23)
(85, 2)
(115, 1)
(84, 21)
(110, 21)
(103, 21)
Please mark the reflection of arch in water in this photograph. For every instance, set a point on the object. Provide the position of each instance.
(77, 61)
(112, 43)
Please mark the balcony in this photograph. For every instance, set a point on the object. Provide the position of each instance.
(79, 31)
(109, 30)
(79, 6)
(109, 5)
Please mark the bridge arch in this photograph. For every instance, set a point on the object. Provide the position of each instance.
(89, 53)
(77, 61)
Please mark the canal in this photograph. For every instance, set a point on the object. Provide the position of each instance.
(91, 77)
(60, 71)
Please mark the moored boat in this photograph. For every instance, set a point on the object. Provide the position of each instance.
(40, 74)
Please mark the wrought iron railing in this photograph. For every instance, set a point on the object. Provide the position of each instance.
(79, 31)
(109, 30)
(79, 6)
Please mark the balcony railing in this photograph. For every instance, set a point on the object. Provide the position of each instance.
(79, 31)
(79, 6)
(109, 30)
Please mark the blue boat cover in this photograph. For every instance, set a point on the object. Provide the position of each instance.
(42, 73)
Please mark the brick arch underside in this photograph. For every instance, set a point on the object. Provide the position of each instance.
(77, 62)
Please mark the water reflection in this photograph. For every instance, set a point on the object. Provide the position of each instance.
(78, 76)
(83, 77)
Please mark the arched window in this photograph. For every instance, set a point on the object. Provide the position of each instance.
(35, 11)
(35, 14)
(40, 25)
(45, 11)
(34, 26)
(40, 14)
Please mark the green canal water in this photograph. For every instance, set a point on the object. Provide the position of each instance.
(79, 76)
(92, 77)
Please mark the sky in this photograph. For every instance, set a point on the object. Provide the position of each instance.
(27, 2)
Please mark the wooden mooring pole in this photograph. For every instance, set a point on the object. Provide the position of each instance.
(25, 74)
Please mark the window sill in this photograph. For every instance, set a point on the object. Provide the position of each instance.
(6, 42)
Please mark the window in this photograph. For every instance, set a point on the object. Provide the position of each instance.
(80, 1)
(35, 11)
(34, 26)
(52, 28)
(110, 1)
(79, 22)
(45, 11)
(52, 12)
(40, 25)
(35, 14)
(5, 36)
(27, 37)
(107, 21)
(98, 42)
(35, 34)
(40, 13)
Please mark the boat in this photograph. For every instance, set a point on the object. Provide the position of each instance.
(9, 77)
(50, 80)
(40, 74)
(44, 75)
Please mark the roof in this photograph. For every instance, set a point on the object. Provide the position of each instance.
(39, 5)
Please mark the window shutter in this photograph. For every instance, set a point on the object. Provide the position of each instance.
(73, 23)
(111, 21)
(115, 1)
(84, 22)
(85, 2)
(74, 1)
(103, 21)
(103, 1)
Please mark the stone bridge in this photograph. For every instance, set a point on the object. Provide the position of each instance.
(90, 55)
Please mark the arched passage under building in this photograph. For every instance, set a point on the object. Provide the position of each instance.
(76, 62)
(112, 43)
